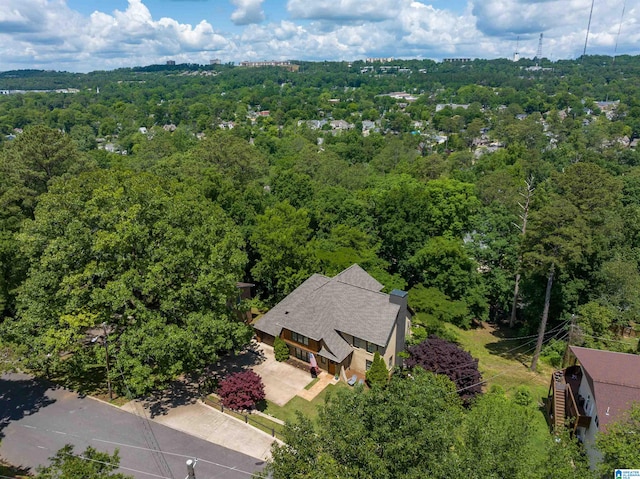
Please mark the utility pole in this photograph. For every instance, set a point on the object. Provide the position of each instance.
(569, 340)
(190, 469)
(106, 351)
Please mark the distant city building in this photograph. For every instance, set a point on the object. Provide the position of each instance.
(273, 63)
(456, 60)
(171, 62)
(378, 60)
(214, 61)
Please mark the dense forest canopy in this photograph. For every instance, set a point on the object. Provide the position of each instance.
(136, 198)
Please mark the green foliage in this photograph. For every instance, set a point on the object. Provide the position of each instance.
(496, 437)
(377, 375)
(434, 307)
(620, 443)
(523, 396)
(385, 432)
(280, 349)
(553, 352)
(285, 259)
(156, 262)
(91, 464)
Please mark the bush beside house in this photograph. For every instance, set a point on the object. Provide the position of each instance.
(280, 349)
(241, 391)
(377, 375)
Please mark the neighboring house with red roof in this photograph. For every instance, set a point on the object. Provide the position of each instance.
(342, 320)
(594, 391)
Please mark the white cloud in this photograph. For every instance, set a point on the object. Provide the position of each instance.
(344, 10)
(48, 34)
(58, 37)
(247, 12)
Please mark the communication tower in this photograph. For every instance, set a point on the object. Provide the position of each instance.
(539, 54)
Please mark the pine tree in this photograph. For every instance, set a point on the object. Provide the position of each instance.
(281, 350)
(377, 375)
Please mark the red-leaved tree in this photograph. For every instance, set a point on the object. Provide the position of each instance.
(442, 357)
(241, 390)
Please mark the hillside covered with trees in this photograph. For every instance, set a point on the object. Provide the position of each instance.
(133, 201)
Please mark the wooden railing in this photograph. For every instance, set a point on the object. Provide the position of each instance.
(578, 418)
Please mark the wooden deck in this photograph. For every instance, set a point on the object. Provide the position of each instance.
(564, 405)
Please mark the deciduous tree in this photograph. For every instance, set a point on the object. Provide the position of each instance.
(241, 391)
(448, 359)
(156, 262)
(91, 464)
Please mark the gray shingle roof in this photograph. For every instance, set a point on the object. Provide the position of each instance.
(322, 307)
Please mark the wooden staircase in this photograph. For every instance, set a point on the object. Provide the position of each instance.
(559, 396)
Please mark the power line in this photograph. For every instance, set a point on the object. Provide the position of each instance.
(584, 52)
(495, 376)
(561, 325)
(149, 435)
(141, 448)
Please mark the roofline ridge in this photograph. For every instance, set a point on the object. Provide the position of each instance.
(605, 351)
(360, 287)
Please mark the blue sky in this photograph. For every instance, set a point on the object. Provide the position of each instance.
(85, 35)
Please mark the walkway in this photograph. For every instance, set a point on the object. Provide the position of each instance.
(323, 381)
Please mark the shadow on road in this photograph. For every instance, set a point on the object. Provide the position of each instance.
(190, 388)
(21, 396)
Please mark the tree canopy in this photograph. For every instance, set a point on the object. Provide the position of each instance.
(155, 262)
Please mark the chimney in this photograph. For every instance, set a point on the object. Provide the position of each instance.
(398, 296)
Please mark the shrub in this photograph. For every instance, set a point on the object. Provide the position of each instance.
(281, 350)
(523, 396)
(443, 357)
(377, 375)
(553, 352)
(241, 390)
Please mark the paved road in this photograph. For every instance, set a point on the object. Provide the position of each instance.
(36, 421)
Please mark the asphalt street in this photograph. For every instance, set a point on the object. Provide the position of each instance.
(37, 420)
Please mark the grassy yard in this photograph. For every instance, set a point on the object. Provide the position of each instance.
(308, 408)
(501, 363)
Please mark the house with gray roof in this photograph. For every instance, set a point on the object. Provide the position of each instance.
(342, 320)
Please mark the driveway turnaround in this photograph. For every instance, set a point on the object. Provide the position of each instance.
(37, 420)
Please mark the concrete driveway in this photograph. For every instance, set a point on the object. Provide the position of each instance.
(281, 380)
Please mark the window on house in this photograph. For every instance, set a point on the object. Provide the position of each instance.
(323, 360)
(301, 354)
(368, 365)
(390, 361)
(299, 338)
(372, 348)
(359, 343)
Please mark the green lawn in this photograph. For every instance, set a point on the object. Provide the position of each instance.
(308, 408)
(503, 365)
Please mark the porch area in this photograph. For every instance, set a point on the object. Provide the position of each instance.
(564, 405)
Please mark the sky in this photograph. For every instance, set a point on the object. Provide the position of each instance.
(88, 35)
